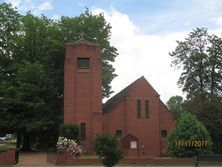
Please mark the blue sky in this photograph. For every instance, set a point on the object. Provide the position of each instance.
(153, 16)
(143, 31)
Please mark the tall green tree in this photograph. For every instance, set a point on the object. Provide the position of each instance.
(175, 104)
(199, 56)
(187, 131)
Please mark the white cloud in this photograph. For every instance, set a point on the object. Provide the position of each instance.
(142, 54)
(29, 5)
(210, 6)
(217, 20)
(45, 6)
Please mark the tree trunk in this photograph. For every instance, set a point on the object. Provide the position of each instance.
(18, 140)
(26, 142)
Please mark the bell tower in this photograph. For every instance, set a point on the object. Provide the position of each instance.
(83, 90)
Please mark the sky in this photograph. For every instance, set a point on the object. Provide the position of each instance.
(143, 31)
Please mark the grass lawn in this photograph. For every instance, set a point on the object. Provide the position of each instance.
(4, 146)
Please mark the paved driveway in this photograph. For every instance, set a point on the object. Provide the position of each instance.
(33, 160)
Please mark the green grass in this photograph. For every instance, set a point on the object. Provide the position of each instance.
(5, 146)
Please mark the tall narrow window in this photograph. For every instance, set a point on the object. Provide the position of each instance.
(138, 109)
(83, 63)
(147, 111)
(83, 131)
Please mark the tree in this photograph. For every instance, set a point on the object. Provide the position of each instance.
(175, 104)
(107, 148)
(189, 137)
(209, 111)
(23, 108)
(28, 93)
(200, 57)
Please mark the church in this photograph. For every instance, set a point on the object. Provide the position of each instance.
(136, 114)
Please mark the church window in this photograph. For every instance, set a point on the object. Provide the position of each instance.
(138, 109)
(163, 134)
(118, 133)
(83, 63)
(83, 131)
(147, 112)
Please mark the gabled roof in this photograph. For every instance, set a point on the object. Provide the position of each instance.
(112, 102)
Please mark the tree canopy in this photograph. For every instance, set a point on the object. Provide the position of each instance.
(175, 104)
(200, 57)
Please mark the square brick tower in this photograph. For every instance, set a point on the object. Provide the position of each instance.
(83, 90)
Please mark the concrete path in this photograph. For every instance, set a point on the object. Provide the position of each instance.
(33, 160)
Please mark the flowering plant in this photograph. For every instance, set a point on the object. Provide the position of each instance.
(74, 149)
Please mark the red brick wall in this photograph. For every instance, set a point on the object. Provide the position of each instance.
(83, 90)
(146, 130)
(8, 157)
(167, 122)
(123, 117)
(116, 120)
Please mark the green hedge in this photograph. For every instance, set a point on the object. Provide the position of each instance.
(69, 131)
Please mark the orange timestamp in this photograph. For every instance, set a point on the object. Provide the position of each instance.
(190, 143)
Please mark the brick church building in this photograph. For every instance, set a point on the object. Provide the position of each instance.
(136, 114)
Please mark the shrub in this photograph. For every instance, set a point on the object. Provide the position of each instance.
(108, 149)
(187, 133)
(69, 131)
(74, 149)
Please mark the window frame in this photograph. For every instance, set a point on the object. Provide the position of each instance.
(80, 64)
(163, 134)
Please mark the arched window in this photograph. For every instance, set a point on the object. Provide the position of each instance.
(83, 131)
